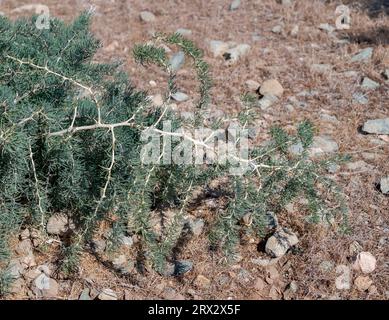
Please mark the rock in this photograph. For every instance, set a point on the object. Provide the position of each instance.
(45, 287)
(31, 274)
(267, 101)
(286, 3)
(44, 268)
(323, 145)
(343, 281)
(363, 55)
(177, 61)
(202, 282)
(365, 262)
(85, 295)
(107, 294)
(326, 27)
(24, 247)
(252, 85)
(333, 168)
(182, 267)
(369, 84)
(280, 242)
(277, 29)
(384, 185)
(218, 47)
(184, 32)
(362, 283)
(15, 268)
(296, 149)
(196, 227)
(295, 30)
(377, 126)
(234, 5)
(180, 96)
(119, 262)
(291, 290)
(28, 261)
(147, 16)
(271, 87)
(25, 234)
(326, 266)
(157, 100)
(98, 245)
(360, 98)
(234, 54)
(321, 68)
(355, 248)
(58, 224)
(152, 83)
(127, 241)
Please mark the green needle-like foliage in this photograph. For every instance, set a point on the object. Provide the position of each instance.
(71, 142)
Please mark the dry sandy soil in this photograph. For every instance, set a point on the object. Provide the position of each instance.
(289, 59)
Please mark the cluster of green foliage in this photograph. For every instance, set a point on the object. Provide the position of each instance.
(70, 142)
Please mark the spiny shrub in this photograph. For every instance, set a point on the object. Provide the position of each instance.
(71, 142)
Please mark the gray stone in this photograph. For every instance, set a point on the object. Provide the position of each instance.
(147, 16)
(296, 149)
(235, 53)
(343, 281)
(365, 262)
(45, 287)
(127, 241)
(326, 27)
(280, 242)
(15, 268)
(360, 98)
(332, 168)
(323, 145)
(326, 266)
(369, 84)
(58, 224)
(180, 96)
(107, 294)
(363, 55)
(177, 61)
(321, 68)
(24, 248)
(182, 267)
(384, 185)
(98, 245)
(85, 295)
(377, 126)
(267, 101)
(184, 32)
(218, 48)
(286, 3)
(234, 5)
(277, 29)
(196, 226)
